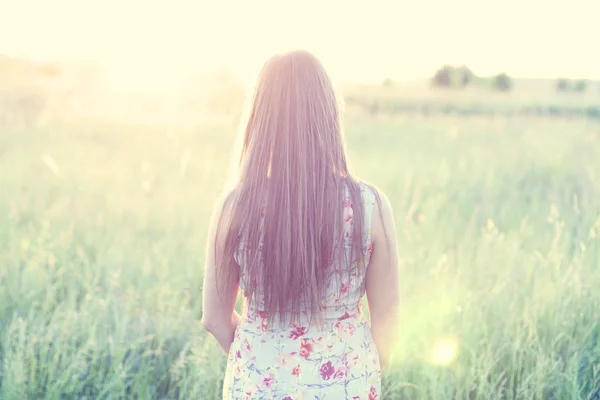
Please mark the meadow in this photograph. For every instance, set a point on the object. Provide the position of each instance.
(103, 228)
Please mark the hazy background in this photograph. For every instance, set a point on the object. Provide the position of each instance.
(157, 43)
(181, 55)
(479, 120)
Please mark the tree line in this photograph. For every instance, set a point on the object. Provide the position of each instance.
(449, 76)
(566, 85)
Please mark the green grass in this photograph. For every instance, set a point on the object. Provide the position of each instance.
(102, 231)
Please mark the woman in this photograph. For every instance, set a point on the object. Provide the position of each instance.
(303, 240)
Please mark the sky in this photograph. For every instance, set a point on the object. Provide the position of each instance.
(145, 42)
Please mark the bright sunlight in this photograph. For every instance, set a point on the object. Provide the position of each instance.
(444, 351)
(479, 121)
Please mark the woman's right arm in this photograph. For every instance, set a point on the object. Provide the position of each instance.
(382, 281)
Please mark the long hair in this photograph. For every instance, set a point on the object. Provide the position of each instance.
(286, 207)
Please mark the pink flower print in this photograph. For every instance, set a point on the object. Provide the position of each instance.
(287, 398)
(347, 203)
(249, 390)
(305, 348)
(296, 371)
(327, 370)
(351, 328)
(284, 359)
(262, 314)
(341, 373)
(344, 329)
(373, 393)
(268, 380)
(352, 358)
(297, 331)
(345, 316)
(344, 288)
(370, 249)
(247, 350)
(356, 398)
(238, 354)
(348, 214)
(246, 346)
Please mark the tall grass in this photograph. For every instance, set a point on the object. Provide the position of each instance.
(102, 231)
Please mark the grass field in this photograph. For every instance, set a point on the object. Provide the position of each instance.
(102, 231)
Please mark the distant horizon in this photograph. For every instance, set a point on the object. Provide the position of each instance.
(248, 79)
(146, 44)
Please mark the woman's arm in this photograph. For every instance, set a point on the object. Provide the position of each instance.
(219, 294)
(383, 286)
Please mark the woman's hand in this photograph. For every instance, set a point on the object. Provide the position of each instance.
(219, 293)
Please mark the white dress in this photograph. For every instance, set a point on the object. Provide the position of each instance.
(333, 360)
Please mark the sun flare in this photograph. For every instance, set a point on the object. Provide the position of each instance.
(444, 351)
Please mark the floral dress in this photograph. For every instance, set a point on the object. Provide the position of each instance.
(332, 360)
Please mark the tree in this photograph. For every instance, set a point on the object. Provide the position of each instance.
(466, 76)
(562, 85)
(502, 82)
(443, 77)
(580, 86)
(449, 76)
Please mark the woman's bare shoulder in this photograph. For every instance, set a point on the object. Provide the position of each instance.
(383, 216)
(381, 199)
(223, 212)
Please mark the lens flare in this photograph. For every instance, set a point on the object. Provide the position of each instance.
(444, 351)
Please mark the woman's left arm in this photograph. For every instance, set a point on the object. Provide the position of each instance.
(219, 294)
